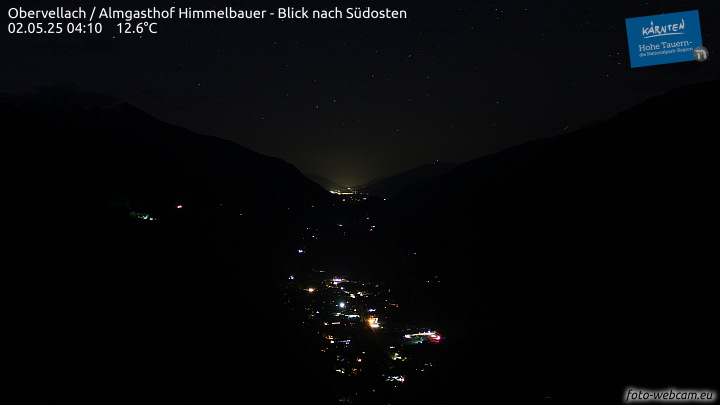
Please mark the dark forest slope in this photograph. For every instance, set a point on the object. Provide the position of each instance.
(102, 306)
(587, 258)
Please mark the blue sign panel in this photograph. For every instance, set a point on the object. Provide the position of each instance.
(663, 38)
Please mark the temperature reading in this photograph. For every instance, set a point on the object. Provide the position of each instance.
(139, 28)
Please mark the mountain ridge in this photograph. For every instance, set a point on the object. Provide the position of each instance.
(104, 148)
(393, 184)
(574, 248)
(595, 130)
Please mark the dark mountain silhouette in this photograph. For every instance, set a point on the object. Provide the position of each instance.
(325, 183)
(392, 185)
(582, 263)
(561, 270)
(123, 156)
(105, 306)
(591, 124)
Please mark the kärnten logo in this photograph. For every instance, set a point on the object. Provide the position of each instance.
(662, 30)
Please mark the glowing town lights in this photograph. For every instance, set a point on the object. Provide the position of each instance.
(429, 336)
(179, 206)
(142, 215)
(342, 305)
(310, 289)
(301, 251)
(373, 322)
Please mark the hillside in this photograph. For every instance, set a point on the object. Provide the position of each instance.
(122, 156)
(577, 252)
(392, 185)
(144, 258)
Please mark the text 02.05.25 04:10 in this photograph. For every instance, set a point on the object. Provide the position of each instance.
(54, 28)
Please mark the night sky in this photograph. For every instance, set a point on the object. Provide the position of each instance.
(355, 100)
